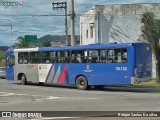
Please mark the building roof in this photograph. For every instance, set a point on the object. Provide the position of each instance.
(124, 9)
(3, 48)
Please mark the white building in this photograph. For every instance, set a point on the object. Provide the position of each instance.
(114, 23)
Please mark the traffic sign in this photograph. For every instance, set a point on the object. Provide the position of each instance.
(30, 38)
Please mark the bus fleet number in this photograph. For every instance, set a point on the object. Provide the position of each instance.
(121, 68)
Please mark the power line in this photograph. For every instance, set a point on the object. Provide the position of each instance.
(30, 15)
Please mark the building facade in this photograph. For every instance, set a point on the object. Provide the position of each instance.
(115, 23)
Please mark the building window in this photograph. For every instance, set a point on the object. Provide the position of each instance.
(86, 33)
(91, 31)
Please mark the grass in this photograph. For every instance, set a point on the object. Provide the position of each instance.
(150, 83)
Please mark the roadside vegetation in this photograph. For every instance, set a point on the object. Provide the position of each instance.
(150, 30)
(151, 83)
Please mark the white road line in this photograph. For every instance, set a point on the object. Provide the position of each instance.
(6, 94)
(40, 97)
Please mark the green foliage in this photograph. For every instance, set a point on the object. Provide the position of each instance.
(46, 44)
(148, 84)
(150, 28)
(151, 32)
(22, 43)
(2, 57)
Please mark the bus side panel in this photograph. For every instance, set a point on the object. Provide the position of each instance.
(9, 69)
(96, 74)
(110, 74)
(143, 60)
(30, 71)
(101, 74)
(105, 73)
(76, 70)
(114, 73)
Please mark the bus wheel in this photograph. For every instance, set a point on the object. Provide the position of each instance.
(81, 83)
(23, 80)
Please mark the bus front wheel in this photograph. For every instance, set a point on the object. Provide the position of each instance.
(23, 80)
(81, 83)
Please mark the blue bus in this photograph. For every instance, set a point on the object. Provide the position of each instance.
(95, 65)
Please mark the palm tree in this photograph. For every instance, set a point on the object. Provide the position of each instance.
(151, 32)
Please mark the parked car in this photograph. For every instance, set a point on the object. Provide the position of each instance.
(2, 72)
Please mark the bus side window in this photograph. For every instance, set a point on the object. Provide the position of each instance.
(62, 56)
(124, 60)
(102, 56)
(109, 60)
(79, 56)
(23, 57)
(124, 56)
(94, 56)
(115, 60)
(84, 60)
(117, 55)
(102, 59)
(94, 60)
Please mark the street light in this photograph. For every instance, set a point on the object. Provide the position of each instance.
(9, 22)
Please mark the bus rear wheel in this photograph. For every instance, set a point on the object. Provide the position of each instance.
(23, 80)
(82, 83)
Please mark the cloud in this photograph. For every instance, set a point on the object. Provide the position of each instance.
(26, 23)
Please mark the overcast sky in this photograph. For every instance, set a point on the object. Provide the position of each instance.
(26, 19)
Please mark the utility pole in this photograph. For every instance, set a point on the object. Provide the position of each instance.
(11, 30)
(60, 5)
(11, 26)
(72, 24)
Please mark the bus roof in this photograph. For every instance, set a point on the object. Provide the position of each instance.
(78, 47)
(90, 46)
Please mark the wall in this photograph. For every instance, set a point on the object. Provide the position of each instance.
(115, 23)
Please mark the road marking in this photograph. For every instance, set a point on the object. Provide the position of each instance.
(40, 97)
(6, 94)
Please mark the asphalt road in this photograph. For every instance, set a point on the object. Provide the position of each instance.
(33, 97)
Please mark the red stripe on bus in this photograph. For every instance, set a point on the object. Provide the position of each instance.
(63, 76)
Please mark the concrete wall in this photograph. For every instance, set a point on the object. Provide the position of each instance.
(115, 23)
(120, 23)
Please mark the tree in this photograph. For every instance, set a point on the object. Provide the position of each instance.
(151, 32)
(22, 43)
(2, 58)
(46, 44)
